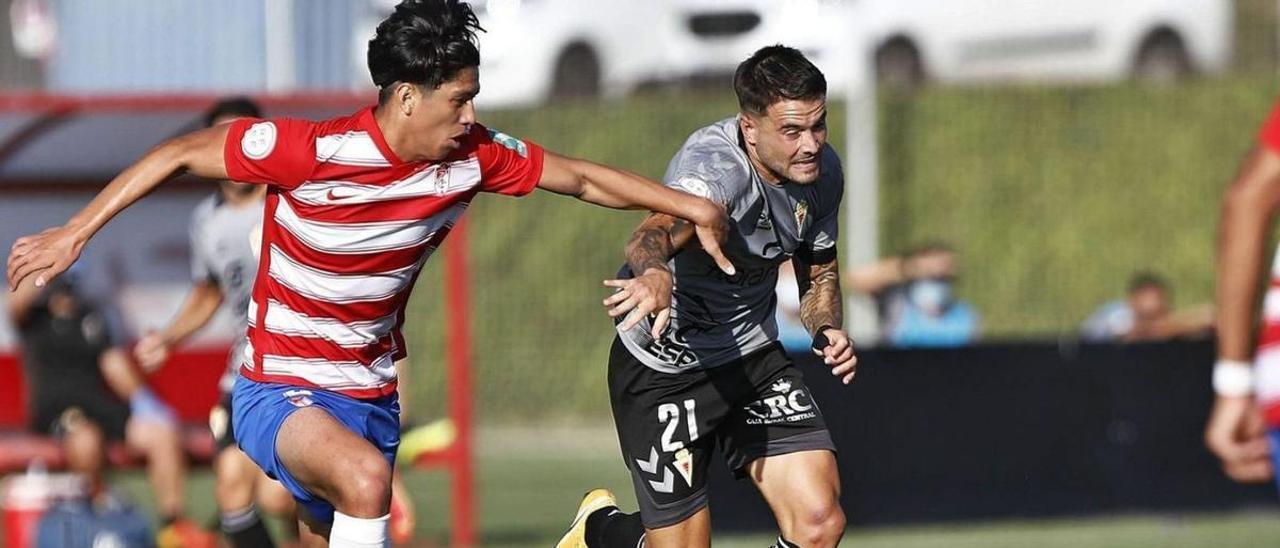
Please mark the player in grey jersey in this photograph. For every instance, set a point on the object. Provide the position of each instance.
(223, 231)
(696, 362)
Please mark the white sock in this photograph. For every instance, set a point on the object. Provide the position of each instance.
(349, 532)
(239, 520)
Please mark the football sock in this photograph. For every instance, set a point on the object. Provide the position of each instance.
(784, 543)
(349, 532)
(610, 528)
(244, 528)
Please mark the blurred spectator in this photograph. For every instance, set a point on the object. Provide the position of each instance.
(791, 333)
(1145, 315)
(76, 379)
(915, 298)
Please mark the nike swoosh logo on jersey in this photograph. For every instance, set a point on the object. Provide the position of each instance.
(335, 197)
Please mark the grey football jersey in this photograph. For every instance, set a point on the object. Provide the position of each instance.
(717, 318)
(222, 253)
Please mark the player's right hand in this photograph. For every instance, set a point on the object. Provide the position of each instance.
(1236, 434)
(44, 255)
(648, 293)
(836, 349)
(151, 351)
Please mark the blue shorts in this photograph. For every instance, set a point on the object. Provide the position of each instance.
(258, 410)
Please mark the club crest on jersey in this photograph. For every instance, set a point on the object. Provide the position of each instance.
(442, 178)
(259, 140)
(802, 213)
(299, 398)
(783, 385)
(509, 142)
(694, 186)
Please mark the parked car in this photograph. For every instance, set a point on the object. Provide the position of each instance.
(912, 41)
(710, 37)
(535, 50)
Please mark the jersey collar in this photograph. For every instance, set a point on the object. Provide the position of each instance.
(370, 125)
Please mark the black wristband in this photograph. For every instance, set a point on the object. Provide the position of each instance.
(820, 339)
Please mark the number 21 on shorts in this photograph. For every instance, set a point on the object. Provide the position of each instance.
(669, 413)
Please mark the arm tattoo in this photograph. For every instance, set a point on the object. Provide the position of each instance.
(821, 301)
(655, 241)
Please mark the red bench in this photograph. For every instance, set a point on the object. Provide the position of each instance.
(188, 383)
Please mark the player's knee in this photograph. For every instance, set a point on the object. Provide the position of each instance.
(232, 491)
(820, 525)
(152, 436)
(366, 487)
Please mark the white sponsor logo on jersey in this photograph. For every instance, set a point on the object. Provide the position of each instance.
(259, 140)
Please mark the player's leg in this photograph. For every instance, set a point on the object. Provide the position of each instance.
(312, 532)
(693, 531)
(273, 498)
(344, 469)
(779, 439)
(333, 453)
(665, 424)
(803, 490)
(161, 443)
(235, 477)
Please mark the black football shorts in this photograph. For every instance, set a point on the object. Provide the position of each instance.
(669, 424)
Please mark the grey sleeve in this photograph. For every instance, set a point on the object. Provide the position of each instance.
(704, 169)
(825, 231)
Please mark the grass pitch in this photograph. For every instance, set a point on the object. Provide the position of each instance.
(530, 484)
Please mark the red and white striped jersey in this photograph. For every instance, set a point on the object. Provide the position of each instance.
(346, 228)
(1267, 358)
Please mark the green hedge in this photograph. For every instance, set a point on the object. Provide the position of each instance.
(1052, 196)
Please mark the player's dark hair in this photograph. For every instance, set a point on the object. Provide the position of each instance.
(232, 106)
(775, 73)
(1147, 280)
(425, 42)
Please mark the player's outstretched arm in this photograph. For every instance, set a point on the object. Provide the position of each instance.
(51, 252)
(1235, 429)
(822, 313)
(619, 189)
(196, 311)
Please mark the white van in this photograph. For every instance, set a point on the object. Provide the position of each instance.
(967, 40)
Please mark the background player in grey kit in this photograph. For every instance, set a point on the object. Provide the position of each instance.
(696, 362)
(223, 264)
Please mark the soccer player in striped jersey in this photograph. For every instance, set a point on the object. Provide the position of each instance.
(354, 207)
(1244, 428)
